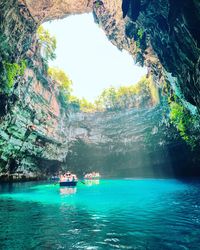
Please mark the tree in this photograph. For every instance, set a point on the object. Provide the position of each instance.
(62, 79)
(74, 103)
(64, 84)
(87, 106)
(142, 94)
(109, 98)
(47, 43)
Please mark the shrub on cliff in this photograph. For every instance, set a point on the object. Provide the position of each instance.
(10, 72)
(74, 103)
(64, 85)
(185, 122)
(142, 94)
(47, 44)
(62, 79)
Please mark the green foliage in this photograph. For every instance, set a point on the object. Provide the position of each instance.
(108, 99)
(74, 103)
(86, 106)
(64, 84)
(61, 78)
(98, 3)
(139, 37)
(183, 121)
(140, 33)
(12, 70)
(142, 94)
(81, 105)
(47, 43)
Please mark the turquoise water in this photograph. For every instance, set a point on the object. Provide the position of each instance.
(114, 214)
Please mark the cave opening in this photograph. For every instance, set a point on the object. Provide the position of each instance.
(92, 62)
(82, 53)
(143, 139)
(163, 104)
(94, 65)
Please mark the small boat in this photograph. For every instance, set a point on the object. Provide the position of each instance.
(92, 176)
(55, 178)
(68, 180)
(68, 183)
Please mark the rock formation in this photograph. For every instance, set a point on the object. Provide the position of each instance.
(135, 142)
(166, 33)
(35, 133)
(54, 9)
(171, 29)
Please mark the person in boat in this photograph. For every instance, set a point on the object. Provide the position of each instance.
(68, 177)
(62, 177)
(92, 175)
(74, 177)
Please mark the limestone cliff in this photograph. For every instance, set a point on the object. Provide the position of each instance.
(35, 135)
(54, 9)
(17, 27)
(171, 28)
(33, 124)
(163, 35)
(136, 142)
(32, 136)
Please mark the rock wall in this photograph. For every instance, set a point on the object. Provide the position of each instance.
(54, 9)
(33, 126)
(163, 34)
(171, 28)
(35, 135)
(132, 143)
(17, 27)
(33, 138)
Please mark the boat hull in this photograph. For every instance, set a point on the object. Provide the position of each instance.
(68, 183)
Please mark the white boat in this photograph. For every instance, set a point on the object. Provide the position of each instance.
(68, 180)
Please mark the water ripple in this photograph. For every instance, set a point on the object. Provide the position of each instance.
(121, 214)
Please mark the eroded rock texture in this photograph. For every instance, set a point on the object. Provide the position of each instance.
(17, 27)
(132, 143)
(172, 29)
(36, 135)
(164, 35)
(33, 131)
(32, 136)
(53, 9)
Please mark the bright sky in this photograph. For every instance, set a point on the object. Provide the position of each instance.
(90, 60)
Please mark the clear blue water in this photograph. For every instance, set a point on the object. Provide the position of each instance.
(116, 214)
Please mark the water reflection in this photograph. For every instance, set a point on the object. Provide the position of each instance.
(118, 214)
(68, 190)
(92, 182)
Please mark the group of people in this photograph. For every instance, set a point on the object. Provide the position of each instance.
(68, 177)
(93, 175)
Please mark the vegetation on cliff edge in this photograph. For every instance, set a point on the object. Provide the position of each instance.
(186, 123)
(47, 43)
(10, 72)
